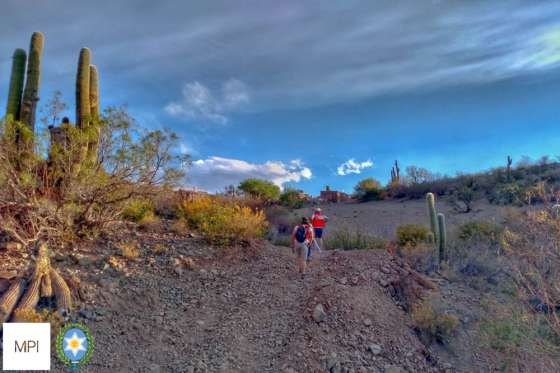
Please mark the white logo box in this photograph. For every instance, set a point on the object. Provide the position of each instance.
(26, 346)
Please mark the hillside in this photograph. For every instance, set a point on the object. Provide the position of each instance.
(192, 308)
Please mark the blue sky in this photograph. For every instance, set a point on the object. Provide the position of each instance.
(313, 93)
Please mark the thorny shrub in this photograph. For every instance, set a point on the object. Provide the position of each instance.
(60, 194)
(432, 324)
(347, 239)
(412, 235)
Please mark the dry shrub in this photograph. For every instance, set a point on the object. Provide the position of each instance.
(532, 240)
(179, 227)
(522, 339)
(420, 257)
(31, 315)
(412, 235)
(346, 239)
(159, 249)
(223, 221)
(433, 324)
(129, 250)
(138, 209)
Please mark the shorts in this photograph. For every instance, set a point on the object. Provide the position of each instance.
(302, 250)
(318, 232)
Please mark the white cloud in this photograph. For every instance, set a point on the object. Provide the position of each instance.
(215, 173)
(198, 102)
(353, 167)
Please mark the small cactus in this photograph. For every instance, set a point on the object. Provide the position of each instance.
(61, 291)
(31, 91)
(432, 214)
(9, 299)
(442, 241)
(17, 79)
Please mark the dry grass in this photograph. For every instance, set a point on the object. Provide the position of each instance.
(129, 250)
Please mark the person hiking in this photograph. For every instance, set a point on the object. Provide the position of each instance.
(302, 237)
(319, 222)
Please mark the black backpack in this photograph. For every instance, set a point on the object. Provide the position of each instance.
(301, 234)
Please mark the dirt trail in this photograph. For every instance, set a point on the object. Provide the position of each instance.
(252, 315)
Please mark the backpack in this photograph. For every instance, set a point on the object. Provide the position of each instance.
(301, 234)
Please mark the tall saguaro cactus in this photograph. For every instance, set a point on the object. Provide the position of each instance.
(17, 78)
(83, 108)
(94, 113)
(432, 214)
(31, 91)
(442, 240)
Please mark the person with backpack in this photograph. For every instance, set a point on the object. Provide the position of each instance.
(319, 222)
(302, 237)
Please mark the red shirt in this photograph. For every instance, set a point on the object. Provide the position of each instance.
(318, 220)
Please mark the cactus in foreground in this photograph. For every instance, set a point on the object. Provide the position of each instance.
(10, 298)
(31, 296)
(83, 108)
(432, 214)
(442, 239)
(31, 91)
(46, 286)
(61, 291)
(17, 79)
(94, 134)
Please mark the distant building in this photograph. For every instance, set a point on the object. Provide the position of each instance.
(334, 196)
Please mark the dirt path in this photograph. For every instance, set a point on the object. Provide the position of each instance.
(254, 315)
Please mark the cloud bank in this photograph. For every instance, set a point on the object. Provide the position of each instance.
(290, 53)
(213, 174)
(353, 167)
(197, 102)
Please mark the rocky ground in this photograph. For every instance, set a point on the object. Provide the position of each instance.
(182, 306)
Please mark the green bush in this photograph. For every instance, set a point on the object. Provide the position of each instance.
(507, 194)
(222, 221)
(480, 231)
(345, 239)
(368, 190)
(412, 235)
(292, 198)
(138, 210)
(261, 189)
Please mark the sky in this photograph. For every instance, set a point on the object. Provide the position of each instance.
(312, 93)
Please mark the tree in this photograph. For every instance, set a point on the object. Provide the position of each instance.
(52, 198)
(292, 198)
(368, 190)
(418, 175)
(53, 109)
(261, 189)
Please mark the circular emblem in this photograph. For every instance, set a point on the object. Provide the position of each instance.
(74, 345)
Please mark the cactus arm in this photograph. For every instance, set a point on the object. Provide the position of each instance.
(17, 79)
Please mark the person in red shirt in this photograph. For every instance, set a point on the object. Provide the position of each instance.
(302, 237)
(319, 222)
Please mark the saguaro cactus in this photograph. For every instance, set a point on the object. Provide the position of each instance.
(31, 92)
(10, 298)
(31, 296)
(432, 214)
(442, 240)
(83, 108)
(395, 173)
(61, 291)
(17, 79)
(94, 112)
